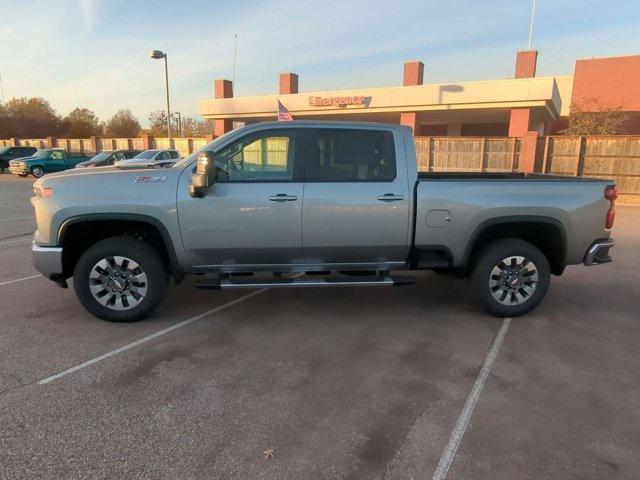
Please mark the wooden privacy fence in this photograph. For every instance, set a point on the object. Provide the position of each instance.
(468, 154)
(616, 157)
(91, 146)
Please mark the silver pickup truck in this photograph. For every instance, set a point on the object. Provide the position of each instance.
(341, 204)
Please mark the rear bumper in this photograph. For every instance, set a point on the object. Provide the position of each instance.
(48, 261)
(598, 252)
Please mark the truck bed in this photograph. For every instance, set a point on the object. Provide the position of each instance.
(504, 176)
(451, 208)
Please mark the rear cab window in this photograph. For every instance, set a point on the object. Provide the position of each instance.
(349, 155)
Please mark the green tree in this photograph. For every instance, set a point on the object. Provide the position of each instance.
(30, 118)
(81, 123)
(122, 125)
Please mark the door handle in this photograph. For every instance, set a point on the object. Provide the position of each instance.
(390, 197)
(283, 197)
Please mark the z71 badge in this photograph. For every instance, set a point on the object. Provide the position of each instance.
(146, 179)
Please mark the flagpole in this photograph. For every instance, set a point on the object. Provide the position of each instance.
(533, 16)
(235, 56)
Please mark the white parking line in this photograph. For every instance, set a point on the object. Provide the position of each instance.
(463, 420)
(16, 241)
(157, 334)
(19, 280)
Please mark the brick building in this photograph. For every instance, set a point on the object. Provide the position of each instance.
(502, 107)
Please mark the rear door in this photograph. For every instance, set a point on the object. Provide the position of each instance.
(251, 216)
(356, 198)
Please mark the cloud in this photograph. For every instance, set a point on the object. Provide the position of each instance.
(88, 9)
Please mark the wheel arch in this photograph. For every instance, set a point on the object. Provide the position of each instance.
(546, 233)
(114, 224)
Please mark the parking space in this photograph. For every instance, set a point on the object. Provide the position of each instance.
(339, 383)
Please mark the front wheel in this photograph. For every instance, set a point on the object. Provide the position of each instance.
(510, 277)
(120, 279)
(37, 171)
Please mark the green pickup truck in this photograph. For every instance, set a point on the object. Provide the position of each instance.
(45, 160)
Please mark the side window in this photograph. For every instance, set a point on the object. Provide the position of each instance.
(262, 157)
(116, 157)
(56, 155)
(349, 155)
(174, 154)
(13, 151)
(162, 156)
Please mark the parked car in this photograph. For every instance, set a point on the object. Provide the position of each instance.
(108, 157)
(11, 153)
(45, 160)
(338, 197)
(160, 158)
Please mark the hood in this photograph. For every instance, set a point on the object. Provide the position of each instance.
(23, 159)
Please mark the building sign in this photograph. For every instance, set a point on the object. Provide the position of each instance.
(342, 102)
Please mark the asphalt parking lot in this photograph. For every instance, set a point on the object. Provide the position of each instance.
(396, 383)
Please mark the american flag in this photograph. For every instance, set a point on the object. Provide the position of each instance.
(283, 113)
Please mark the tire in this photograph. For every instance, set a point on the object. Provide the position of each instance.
(37, 171)
(513, 288)
(120, 279)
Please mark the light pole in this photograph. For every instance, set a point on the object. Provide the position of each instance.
(177, 114)
(157, 55)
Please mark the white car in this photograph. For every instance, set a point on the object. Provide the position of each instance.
(156, 157)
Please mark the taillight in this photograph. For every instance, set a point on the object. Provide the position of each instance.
(610, 193)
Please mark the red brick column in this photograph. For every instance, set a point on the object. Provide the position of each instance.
(528, 152)
(94, 144)
(526, 61)
(288, 83)
(14, 142)
(412, 75)
(519, 122)
(146, 141)
(223, 89)
(410, 119)
(51, 142)
(520, 118)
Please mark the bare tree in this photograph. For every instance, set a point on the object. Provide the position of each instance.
(592, 117)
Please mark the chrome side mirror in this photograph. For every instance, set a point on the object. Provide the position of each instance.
(200, 178)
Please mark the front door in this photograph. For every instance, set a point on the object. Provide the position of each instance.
(251, 216)
(56, 162)
(356, 198)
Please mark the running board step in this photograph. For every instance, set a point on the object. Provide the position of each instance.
(315, 282)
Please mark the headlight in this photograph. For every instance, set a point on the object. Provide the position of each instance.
(43, 192)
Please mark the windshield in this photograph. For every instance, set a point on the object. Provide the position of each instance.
(189, 158)
(147, 155)
(4, 150)
(41, 153)
(101, 156)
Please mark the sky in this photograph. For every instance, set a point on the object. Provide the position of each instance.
(95, 53)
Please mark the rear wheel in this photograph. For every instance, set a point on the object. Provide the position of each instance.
(120, 279)
(37, 171)
(510, 277)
